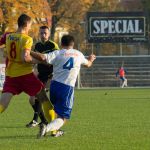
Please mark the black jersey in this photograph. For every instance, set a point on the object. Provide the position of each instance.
(48, 46)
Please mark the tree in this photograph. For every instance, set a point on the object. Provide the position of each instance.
(131, 5)
(39, 10)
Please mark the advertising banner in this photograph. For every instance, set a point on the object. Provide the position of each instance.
(122, 27)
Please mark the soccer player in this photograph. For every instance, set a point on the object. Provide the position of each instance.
(121, 73)
(19, 74)
(66, 65)
(44, 72)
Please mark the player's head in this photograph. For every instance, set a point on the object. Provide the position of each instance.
(67, 41)
(44, 33)
(24, 22)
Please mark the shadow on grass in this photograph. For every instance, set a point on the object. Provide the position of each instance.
(16, 137)
(26, 137)
(11, 127)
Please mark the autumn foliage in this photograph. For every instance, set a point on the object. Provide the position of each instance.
(67, 15)
(39, 10)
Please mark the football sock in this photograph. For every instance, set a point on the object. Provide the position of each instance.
(2, 108)
(42, 117)
(36, 110)
(48, 111)
(52, 114)
(55, 124)
(123, 84)
(46, 105)
(126, 84)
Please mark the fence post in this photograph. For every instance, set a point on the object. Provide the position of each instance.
(79, 81)
(120, 49)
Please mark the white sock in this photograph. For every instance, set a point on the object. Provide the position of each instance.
(123, 84)
(55, 125)
(126, 83)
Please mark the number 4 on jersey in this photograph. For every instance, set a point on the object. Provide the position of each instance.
(69, 64)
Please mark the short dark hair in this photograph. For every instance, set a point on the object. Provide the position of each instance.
(23, 20)
(67, 40)
(44, 27)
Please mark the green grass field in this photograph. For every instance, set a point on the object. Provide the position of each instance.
(119, 120)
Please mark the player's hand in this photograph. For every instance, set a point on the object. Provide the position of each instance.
(92, 57)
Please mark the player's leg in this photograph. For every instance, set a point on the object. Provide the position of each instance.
(35, 104)
(4, 101)
(126, 82)
(123, 82)
(62, 97)
(37, 89)
(10, 88)
(47, 106)
(45, 79)
(46, 82)
(37, 113)
(54, 125)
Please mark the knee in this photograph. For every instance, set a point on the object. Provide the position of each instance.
(32, 100)
(64, 119)
(42, 96)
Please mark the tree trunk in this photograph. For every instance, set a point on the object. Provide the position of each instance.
(54, 22)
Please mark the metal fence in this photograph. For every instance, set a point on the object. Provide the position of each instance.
(135, 59)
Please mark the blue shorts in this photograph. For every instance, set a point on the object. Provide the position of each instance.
(122, 78)
(62, 97)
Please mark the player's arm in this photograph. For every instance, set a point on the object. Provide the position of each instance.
(26, 56)
(38, 56)
(125, 71)
(45, 58)
(117, 73)
(90, 60)
(26, 48)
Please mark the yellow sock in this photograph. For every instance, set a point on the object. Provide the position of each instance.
(48, 110)
(52, 114)
(2, 108)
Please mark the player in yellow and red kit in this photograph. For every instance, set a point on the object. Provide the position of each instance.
(19, 71)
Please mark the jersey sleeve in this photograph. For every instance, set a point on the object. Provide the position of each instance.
(50, 57)
(3, 38)
(56, 47)
(84, 61)
(28, 44)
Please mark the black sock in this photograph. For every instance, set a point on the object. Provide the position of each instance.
(42, 117)
(36, 110)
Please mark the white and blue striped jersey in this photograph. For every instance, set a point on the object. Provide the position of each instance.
(66, 65)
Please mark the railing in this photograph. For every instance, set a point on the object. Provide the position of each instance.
(102, 73)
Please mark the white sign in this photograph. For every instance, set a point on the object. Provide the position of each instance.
(116, 26)
(2, 75)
